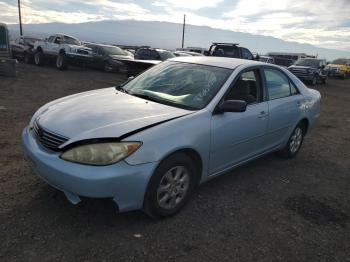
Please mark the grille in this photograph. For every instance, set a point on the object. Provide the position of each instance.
(48, 139)
(83, 52)
(299, 72)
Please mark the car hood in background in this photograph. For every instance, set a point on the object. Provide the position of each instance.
(302, 67)
(103, 113)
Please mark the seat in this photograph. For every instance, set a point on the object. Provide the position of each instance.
(241, 91)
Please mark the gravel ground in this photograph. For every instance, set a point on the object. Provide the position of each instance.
(268, 210)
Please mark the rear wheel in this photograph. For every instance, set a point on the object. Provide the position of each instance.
(170, 186)
(325, 80)
(294, 143)
(39, 58)
(107, 67)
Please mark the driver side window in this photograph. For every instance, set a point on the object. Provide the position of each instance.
(247, 87)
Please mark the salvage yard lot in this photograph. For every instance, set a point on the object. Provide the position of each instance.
(268, 210)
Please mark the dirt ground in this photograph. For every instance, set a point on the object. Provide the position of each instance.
(268, 210)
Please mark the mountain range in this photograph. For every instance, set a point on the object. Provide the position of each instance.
(169, 35)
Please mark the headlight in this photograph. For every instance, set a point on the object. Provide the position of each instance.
(100, 154)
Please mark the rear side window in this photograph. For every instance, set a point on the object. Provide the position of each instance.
(246, 54)
(278, 84)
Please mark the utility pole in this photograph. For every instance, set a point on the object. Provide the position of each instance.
(20, 17)
(183, 31)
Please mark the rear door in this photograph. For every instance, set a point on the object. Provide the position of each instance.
(285, 106)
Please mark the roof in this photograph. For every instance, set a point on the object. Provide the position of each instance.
(226, 62)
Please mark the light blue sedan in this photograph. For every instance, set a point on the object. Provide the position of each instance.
(148, 143)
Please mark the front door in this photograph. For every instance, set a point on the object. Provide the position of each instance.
(238, 136)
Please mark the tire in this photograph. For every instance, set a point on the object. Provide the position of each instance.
(170, 186)
(325, 80)
(62, 62)
(314, 80)
(39, 58)
(107, 67)
(294, 144)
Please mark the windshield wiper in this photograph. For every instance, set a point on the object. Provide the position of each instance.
(147, 97)
(122, 89)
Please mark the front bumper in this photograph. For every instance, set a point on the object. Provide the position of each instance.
(125, 183)
(79, 57)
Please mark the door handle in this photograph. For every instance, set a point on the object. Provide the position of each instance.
(263, 114)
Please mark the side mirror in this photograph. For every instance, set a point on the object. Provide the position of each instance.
(232, 106)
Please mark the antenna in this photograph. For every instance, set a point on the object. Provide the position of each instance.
(183, 32)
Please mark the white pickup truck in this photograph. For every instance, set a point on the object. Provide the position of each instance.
(63, 49)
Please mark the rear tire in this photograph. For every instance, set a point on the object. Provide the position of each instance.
(62, 61)
(325, 80)
(295, 142)
(107, 67)
(39, 58)
(170, 186)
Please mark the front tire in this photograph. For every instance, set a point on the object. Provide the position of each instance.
(314, 80)
(170, 186)
(62, 62)
(294, 144)
(27, 58)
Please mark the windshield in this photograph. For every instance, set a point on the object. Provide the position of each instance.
(164, 55)
(30, 40)
(308, 62)
(70, 40)
(113, 50)
(184, 85)
(226, 51)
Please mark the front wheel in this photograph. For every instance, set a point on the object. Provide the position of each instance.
(294, 143)
(314, 80)
(62, 62)
(170, 186)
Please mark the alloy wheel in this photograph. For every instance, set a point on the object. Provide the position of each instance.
(173, 187)
(295, 140)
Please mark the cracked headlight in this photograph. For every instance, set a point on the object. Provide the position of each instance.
(100, 154)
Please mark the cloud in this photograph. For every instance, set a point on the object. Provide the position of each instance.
(325, 23)
(188, 4)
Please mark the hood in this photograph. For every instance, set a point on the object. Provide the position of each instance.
(103, 113)
(336, 66)
(301, 67)
(120, 57)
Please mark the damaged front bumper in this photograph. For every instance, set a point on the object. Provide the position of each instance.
(125, 183)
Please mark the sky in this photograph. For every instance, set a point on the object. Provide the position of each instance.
(324, 23)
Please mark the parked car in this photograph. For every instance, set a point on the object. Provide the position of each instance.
(186, 53)
(310, 70)
(192, 49)
(7, 65)
(64, 50)
(147, 53)
(266, 59)
(286, 59)
(179, 53)
(339, 68)
(149, 142)
(23, 49)
(230, 50)
(107, 57)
